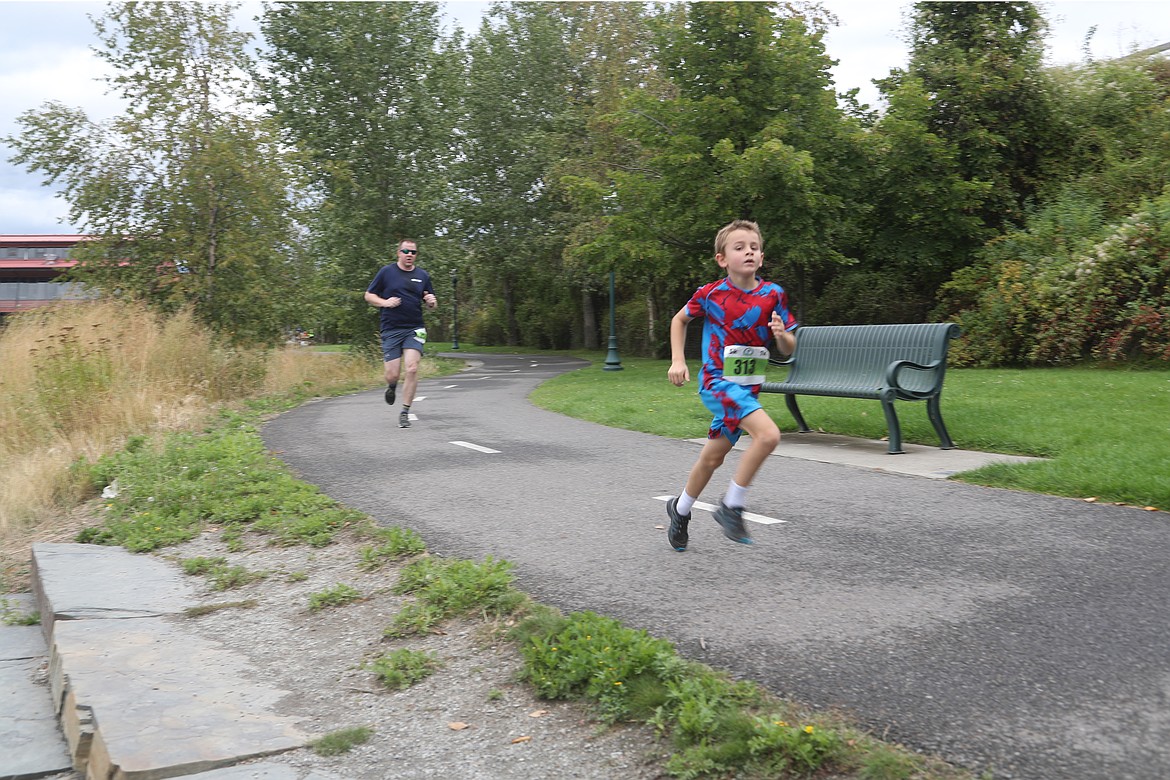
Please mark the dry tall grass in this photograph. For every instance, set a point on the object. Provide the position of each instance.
(77, 380)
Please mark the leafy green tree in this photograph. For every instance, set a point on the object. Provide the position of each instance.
(517, 80)
(370, 93)
(920, 221)
(753, 130)
(1085, 277)
(187, 191)
(969, 141)
(981, 65)
(1119, 150)
(611, 50)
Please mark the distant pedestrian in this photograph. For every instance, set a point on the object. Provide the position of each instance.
(742, 313)
(400, 290)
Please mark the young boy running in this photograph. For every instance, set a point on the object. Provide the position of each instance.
(740, 313)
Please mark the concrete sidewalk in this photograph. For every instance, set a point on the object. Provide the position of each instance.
(918, 460)
(112, 685)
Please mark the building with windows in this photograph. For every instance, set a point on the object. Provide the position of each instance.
(29, 268)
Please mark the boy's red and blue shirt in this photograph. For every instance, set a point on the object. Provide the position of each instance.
(734, 316)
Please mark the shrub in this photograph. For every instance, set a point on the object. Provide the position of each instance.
(1113, 304)
(594, 656)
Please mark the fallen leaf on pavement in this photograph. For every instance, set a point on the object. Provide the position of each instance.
(537, 713)
(518, 740)
(1090, 500)
(457, 725)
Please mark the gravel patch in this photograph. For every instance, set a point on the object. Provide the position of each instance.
(471, 719)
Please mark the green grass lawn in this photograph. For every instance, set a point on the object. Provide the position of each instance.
(1105, 433)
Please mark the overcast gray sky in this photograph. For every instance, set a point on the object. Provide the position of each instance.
(45, 55)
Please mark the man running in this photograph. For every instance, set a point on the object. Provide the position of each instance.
(400, 290)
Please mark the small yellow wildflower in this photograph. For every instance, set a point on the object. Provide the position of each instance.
(808, 729)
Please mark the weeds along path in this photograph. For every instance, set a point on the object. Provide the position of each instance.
(1001, 630)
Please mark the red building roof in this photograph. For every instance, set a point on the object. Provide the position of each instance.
(40, 262)
(41, 239)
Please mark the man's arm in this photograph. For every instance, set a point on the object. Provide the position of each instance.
(428, 295)
(381, 303)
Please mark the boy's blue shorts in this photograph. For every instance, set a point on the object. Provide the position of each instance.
(730, 403)
(398, 339)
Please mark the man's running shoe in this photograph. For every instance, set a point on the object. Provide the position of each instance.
(731, 518)
(404, 420)
(391, 392)
(677, 533)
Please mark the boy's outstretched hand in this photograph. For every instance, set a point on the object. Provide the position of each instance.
(678, 374)
(784, 339)
(777, 325)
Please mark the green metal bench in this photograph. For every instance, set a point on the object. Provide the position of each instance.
(881, 362)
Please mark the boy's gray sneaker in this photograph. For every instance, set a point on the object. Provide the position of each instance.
(731, 518)
(676, 534)
(404, 420)
(391, 391)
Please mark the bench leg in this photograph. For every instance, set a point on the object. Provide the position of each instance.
(893, 425)
(935, 414)
(790, 400)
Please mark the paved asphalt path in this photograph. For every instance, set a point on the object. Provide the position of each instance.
(1025, 634)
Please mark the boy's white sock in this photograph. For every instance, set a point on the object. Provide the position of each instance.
(736, 496)
(684, 503)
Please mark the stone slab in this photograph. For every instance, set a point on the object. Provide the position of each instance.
(138, 696)
(87, 581)
(918, 459)
(18, 643)
(18, 604)
(31, 744)
(164, 701)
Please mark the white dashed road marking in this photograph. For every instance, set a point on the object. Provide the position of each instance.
(475, 447)
(761, 519)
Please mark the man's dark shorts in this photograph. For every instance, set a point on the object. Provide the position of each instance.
(398, 339)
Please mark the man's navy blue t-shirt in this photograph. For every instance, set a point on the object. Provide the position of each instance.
(391, 281)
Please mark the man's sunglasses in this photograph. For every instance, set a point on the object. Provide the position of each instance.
(408, 251)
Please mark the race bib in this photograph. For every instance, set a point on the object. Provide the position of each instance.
(421, 335)
(744, 365)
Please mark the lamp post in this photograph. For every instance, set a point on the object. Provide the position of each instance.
(454, 310)
(612, 361)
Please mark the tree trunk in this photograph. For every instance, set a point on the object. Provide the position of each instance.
(592, 336)
(651, 324)
(513, 327)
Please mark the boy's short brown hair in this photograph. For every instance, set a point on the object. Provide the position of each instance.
(737, 224)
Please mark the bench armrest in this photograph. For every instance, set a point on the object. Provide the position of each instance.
(896, 368)
(781, 361)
